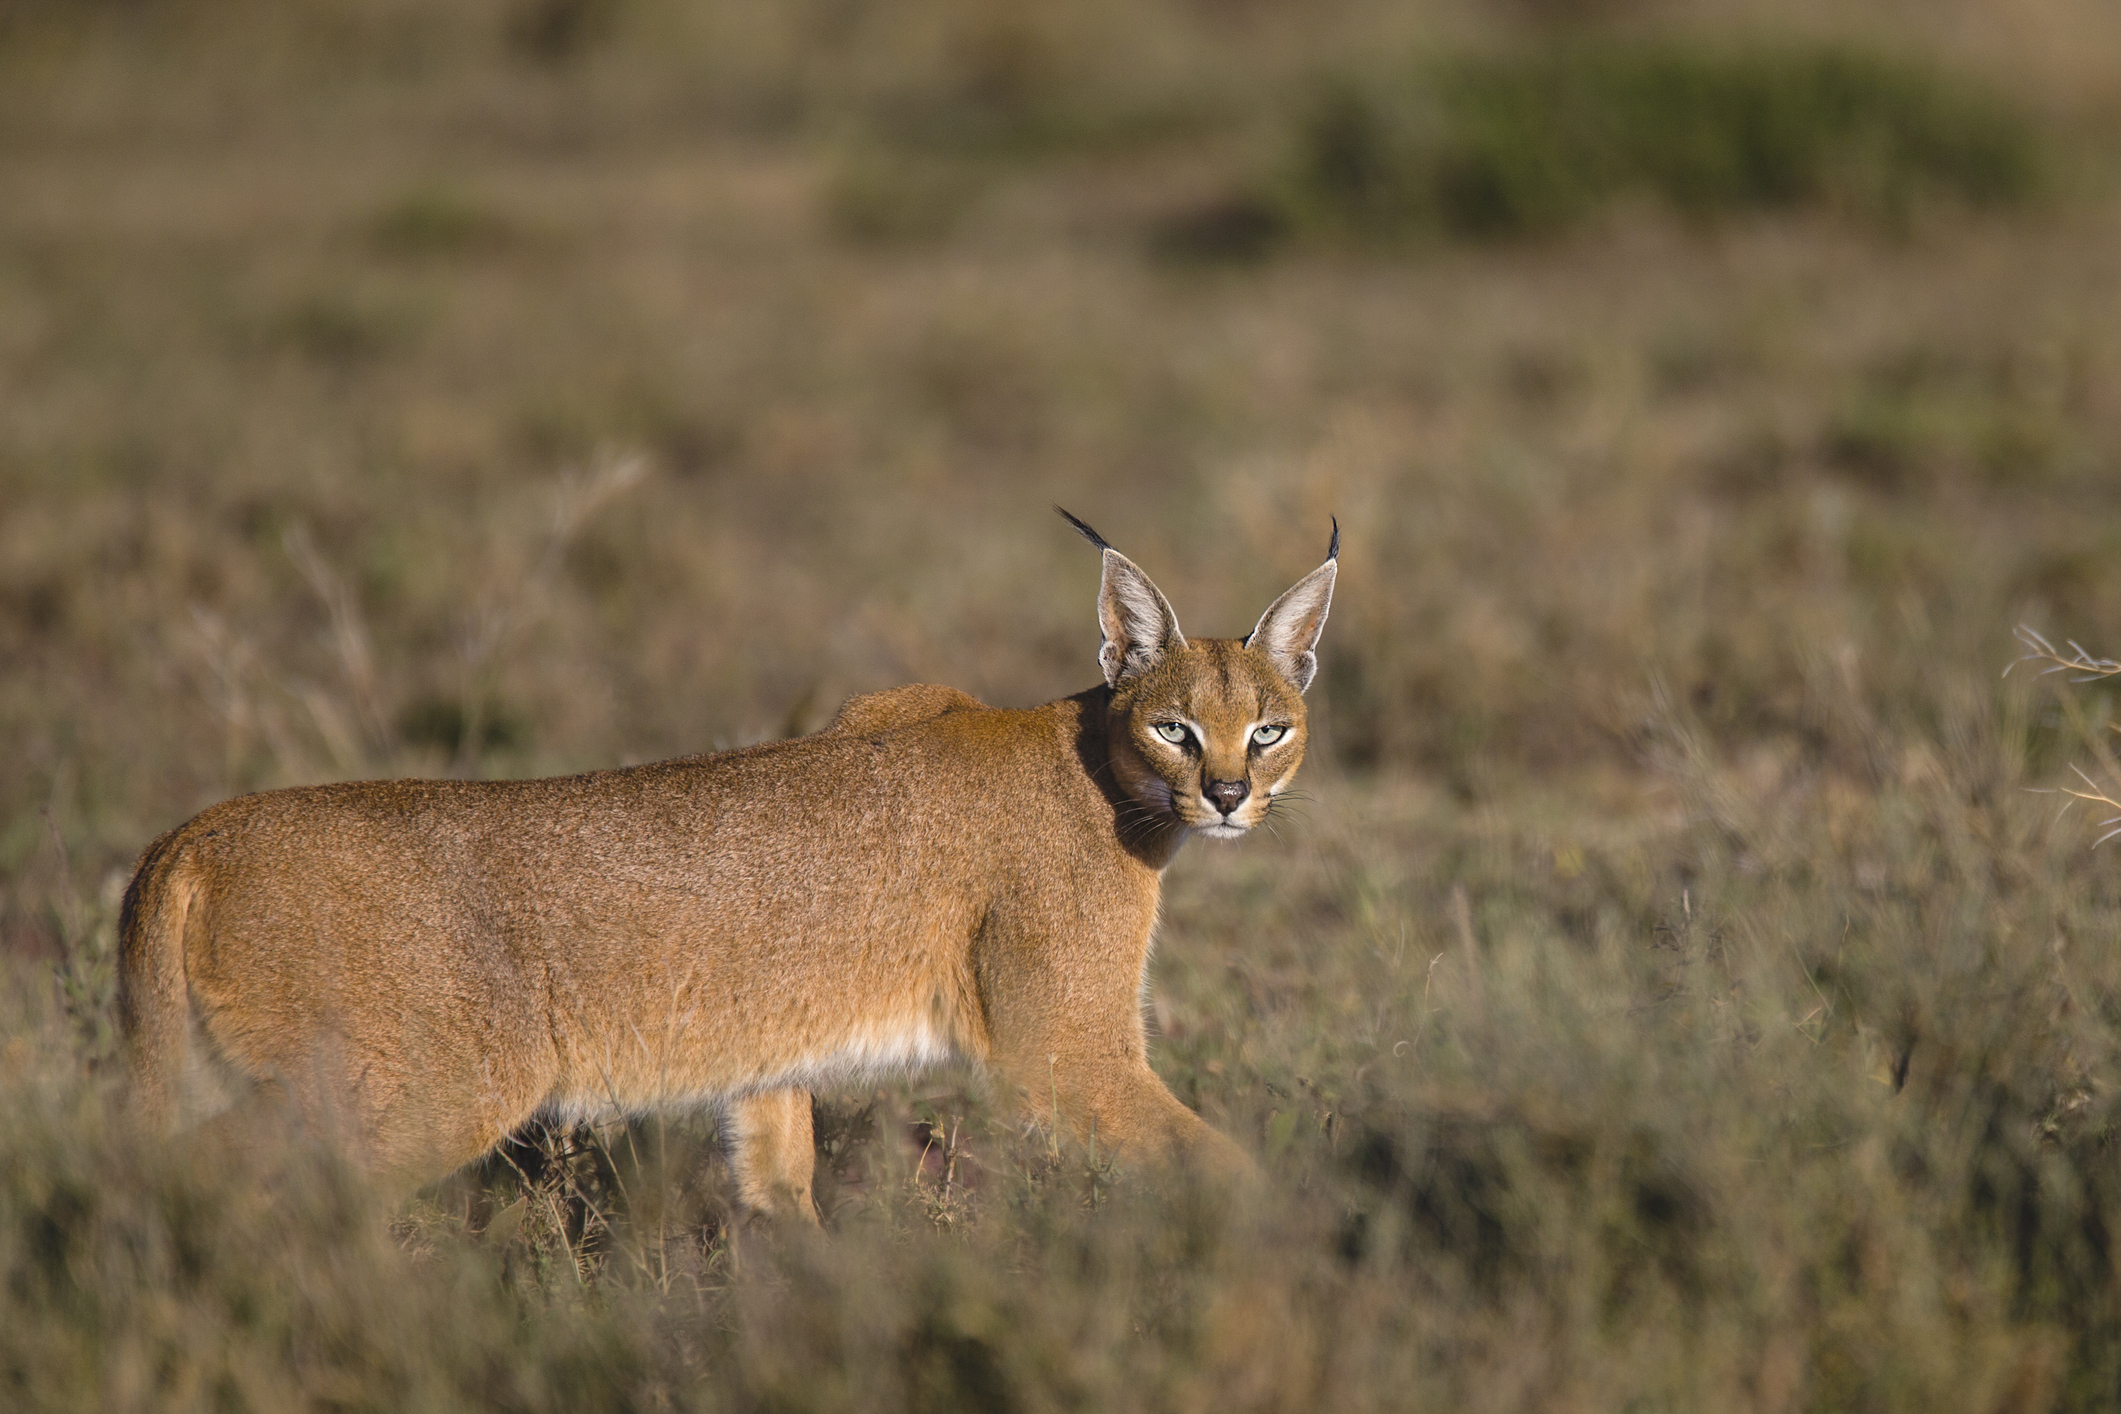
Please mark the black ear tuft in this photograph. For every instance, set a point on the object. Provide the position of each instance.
(1099, 541)
(1332, 551)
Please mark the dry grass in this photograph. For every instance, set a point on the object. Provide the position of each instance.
(1679, 995)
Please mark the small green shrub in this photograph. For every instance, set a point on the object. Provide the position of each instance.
(1519, 143)
(438, 221)
(344, 328)
(560, 31)
(877, 196)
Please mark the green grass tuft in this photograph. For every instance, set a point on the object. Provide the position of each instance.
(1520, 143)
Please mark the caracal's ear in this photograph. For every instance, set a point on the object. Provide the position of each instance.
(1137, 620)
(1288, 631)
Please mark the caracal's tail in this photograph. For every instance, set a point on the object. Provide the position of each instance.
(154, 1002)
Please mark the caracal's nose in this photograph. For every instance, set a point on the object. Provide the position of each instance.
(1226, 796)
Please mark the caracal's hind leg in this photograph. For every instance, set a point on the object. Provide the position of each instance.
(397, 1151)
(403, 1118)
(773, 1148)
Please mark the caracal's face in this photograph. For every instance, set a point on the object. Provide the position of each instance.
(1206, 734)
(1213, 733)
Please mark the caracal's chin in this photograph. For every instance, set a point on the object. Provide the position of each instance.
(1221, 830)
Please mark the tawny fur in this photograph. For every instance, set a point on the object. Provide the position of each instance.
(420, 967)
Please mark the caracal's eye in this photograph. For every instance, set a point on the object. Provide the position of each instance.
(1267, 736)
(1173, 732)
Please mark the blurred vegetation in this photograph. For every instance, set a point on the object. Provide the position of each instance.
(1532, 142)
(1678, 996)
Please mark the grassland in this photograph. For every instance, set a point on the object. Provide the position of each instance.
(1680, 994)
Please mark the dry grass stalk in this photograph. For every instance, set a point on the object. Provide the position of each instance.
(2083, 666)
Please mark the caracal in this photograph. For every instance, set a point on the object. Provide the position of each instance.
(421, 967)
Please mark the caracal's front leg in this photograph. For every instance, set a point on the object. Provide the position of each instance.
(1089, 1056)
(772, 1147)
(1129, 1111)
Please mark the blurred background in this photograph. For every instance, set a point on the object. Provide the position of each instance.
(514, 386)
(1706, 389)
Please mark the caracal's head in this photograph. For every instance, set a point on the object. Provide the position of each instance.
(1206, 733)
